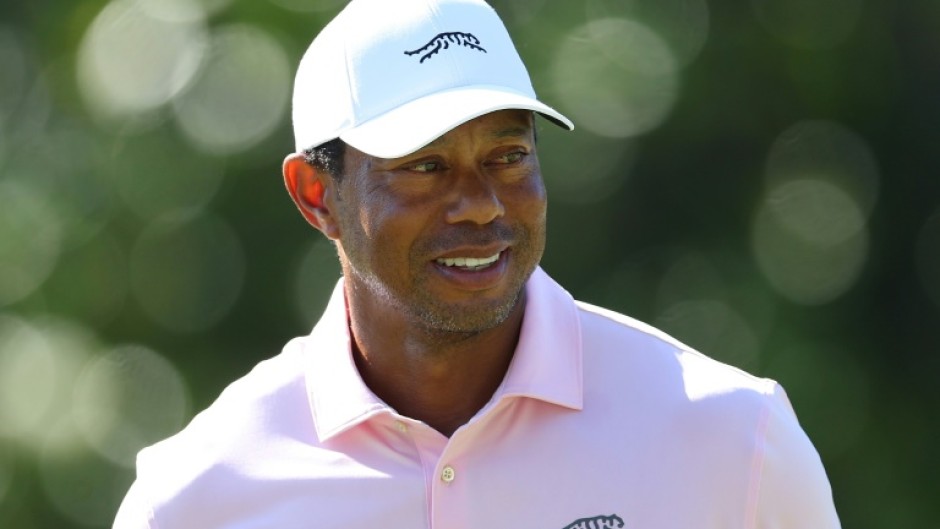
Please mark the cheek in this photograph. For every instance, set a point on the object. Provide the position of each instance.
(366, 217)
(530, 201)
(386, 220)
(390, 228)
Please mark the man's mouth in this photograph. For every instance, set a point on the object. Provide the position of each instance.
(469, 263)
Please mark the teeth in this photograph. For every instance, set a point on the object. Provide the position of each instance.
(469, 262)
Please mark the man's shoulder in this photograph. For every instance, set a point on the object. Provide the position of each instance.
(264, 408)
(638, 377)
(640, 351)
(271, 388)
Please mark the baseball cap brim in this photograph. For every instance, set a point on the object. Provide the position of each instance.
(412, 125)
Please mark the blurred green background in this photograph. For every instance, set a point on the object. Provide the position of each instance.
(760, 178)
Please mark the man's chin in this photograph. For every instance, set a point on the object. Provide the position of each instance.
(461, 319)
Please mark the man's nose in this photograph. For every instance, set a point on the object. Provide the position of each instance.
(475, 199)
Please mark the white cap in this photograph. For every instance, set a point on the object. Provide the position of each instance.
(390, 76)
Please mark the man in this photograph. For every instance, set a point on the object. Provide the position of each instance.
(450, 383)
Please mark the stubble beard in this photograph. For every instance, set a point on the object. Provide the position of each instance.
(448, 322)
(443, 320)
(436, 318)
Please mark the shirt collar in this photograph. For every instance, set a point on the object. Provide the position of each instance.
(546, 364)
(547, 361)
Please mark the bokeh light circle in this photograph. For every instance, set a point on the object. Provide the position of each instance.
(615, 77)
(39, 362)
(815, 211)
(810, 241)
(187, 272)
(240, 96)
(72, 344)
(127, 399)
(808, 24)
(130, 62)
(828, 151)
(158, 173)
(683, 24)
(27, 378)
(927, 257)
(30, 240)
(317, 272)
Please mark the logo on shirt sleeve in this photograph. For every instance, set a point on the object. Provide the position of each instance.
(597, 522)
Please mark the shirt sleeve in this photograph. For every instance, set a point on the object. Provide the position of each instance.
(793, 491)
(135, 512)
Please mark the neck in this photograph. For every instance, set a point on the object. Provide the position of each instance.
(440, 378)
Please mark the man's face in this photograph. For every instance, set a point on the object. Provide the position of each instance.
(448, 235)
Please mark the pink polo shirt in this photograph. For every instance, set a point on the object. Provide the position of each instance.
(601, 421)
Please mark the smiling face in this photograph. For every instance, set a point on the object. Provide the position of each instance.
(445, 237)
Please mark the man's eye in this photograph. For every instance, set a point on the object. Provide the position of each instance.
(425, 167)
(511, 157)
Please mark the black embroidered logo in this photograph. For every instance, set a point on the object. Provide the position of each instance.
(597, 522)
(443, 41)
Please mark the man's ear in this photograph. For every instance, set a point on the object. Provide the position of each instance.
(312, 190)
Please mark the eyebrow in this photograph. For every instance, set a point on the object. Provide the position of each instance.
(514, 132)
